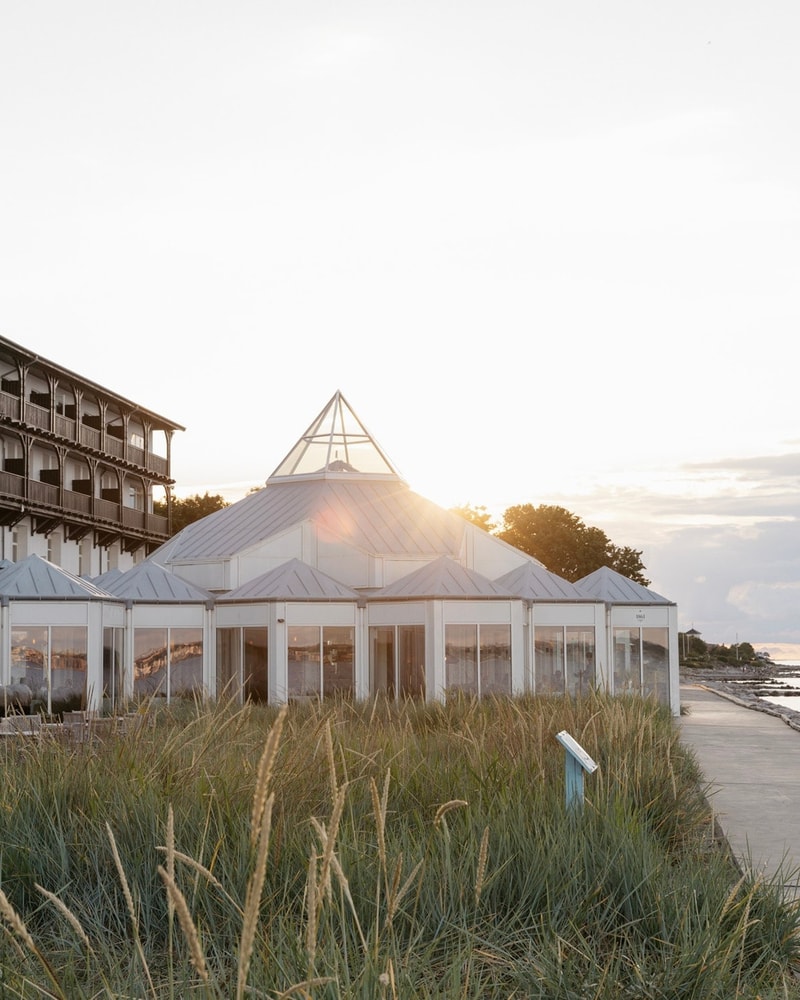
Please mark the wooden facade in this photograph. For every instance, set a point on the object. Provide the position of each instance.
(79, 465)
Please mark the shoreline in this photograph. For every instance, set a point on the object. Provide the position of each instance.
(737, 686)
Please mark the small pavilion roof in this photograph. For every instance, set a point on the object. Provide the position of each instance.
(34, 578)
(443, 578)
(291, 581)
(148, 581)
(535, 583)
(606, 585)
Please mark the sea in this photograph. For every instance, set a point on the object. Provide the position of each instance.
(783, 688)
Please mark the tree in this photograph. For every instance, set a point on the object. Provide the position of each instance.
(479, 516)
(565, 545)
(190, 509)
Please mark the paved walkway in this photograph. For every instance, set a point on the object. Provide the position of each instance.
(751, 761)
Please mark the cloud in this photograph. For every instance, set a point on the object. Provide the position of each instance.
(753, 467)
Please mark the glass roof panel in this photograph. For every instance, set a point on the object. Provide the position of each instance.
(335, 443)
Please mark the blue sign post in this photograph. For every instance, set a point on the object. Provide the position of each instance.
(577, 762)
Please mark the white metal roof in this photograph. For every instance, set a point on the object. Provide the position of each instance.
(607, 585)
(443, 578)
(535, 583)
(34, 578)
(150, 582)
(292, 581)
(376, 516)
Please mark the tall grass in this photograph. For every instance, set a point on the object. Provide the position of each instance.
(379, 850)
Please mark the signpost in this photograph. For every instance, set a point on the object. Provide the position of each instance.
(577, 762)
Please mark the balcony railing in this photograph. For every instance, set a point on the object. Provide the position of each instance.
(80, 433)
(12, 485)
(43, 493)
(37, 416)
(9, 406)
(132, 518)
(106, 509)
(79, 502)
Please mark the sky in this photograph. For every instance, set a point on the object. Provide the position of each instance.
(548, 252)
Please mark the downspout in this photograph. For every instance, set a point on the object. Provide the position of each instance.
(210, 650)
(5, 648)
(127, 652)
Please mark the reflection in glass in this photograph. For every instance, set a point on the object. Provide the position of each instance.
(256, 686)
(655, 663)
(338, 649)
(495, 659)
(304, 661)
(113, 690)
(564, 659)
(52, 661)
(68, 653)
(150, 647)
(229, 662)
(29, 657)
(397, 660)
(167, 662)
(185, 674)
(321, 660)
(461, 658)
(627, 661)
(580, 660)
(549, 659)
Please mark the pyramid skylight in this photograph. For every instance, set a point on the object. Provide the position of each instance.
(336, 444)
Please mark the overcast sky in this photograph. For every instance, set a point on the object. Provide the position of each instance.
(548, 251)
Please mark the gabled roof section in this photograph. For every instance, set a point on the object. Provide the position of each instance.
(535, 583)
(336, 444)
(35, 578)
(292, 581)
(443, 578)
(149, 582)
(606, 585)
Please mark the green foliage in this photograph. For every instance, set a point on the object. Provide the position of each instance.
(565, 545)
(479, 516)
(379, 850)
(190, 509)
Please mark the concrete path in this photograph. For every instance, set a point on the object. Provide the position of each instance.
(751, 762)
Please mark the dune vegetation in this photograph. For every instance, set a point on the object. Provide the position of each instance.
(378, 850)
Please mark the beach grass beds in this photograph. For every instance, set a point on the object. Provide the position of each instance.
(378, 850)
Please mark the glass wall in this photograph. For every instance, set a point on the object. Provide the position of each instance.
(627, 661)
(564, 659)
(167, 662)
(321, 660)
(655, 663)
(51, 661)
(113, 689)
(478, 659)
(641, 661)
(242, 662)
(397, 660)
